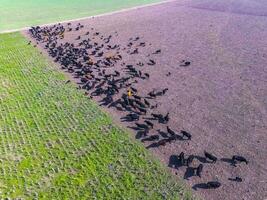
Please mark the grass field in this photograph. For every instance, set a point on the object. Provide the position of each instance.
(57, 144)
(18, 14)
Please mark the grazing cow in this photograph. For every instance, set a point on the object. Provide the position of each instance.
(213, 184)
(239, 159)
(151, 62)
(210, 157)
(189, 160)
(199, 170)
(171, 132)
(142, 126)
(186, 134)
(151, 138)
(185, 63)
(182, 158)
(149, 123)
(236, 179)
(157, 52)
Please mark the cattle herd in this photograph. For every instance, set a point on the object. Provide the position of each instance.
(92, 60)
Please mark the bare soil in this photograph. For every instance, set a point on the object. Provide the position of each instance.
(220, 98)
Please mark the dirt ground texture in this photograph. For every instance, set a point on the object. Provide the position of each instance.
(220, 98)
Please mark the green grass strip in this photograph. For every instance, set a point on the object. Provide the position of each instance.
(15, 14)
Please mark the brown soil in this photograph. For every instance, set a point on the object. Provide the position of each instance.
(220, 98)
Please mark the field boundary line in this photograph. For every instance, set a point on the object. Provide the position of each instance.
(93, 16)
